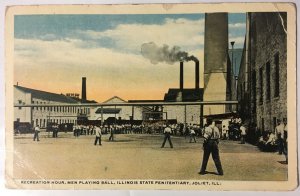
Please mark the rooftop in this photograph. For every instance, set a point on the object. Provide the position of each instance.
(187, 94)
(39, 94)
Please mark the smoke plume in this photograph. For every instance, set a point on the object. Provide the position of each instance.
(158, 54)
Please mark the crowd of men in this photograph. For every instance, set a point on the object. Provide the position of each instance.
(275, 140)
(234, 129)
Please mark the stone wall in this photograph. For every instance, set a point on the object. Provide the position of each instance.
(267, 42)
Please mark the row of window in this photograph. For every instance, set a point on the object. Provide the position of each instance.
(270, 127)
(64, 109)
(267, 77)
(43, 122)
(264, 81)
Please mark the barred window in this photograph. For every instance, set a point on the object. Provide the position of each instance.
(276, 79)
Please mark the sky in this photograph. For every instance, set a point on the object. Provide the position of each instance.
(53, 52)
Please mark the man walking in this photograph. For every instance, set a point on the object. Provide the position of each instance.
(98, 136)
(36, 133)
(167, 132)
(210, 146)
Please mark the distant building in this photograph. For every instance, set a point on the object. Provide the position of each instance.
(119, 112)
(41, 115)
(262, 80)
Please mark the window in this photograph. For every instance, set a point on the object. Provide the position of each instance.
(254, 91)
(276, 79)
(274, 123)
(268, 81)
(261, 84)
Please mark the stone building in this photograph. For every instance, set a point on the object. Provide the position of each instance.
(42, 115)
(262, 80)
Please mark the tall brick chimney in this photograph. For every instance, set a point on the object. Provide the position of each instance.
(83, 90)
(181, 75)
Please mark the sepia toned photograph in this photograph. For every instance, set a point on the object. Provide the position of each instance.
(157, 96)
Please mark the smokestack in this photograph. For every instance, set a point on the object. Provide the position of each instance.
(181, 75)
(83, 90)
(196, 74)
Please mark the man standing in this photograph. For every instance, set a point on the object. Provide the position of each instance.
(167, 132)
(55, 131)
(111, 130)
(98, 135)
(279, 132)
(192, 135)
(36, 133)
(243, 134)
(210, 146)
(285, 140)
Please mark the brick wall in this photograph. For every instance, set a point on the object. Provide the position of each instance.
(268, 39)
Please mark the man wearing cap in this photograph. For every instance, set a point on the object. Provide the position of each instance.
(210, 146)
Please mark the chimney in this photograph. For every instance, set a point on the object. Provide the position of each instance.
(181, 75)
(196, 74)
(83, 90)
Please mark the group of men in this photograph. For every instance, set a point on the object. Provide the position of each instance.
(275, 140)
(211, 136)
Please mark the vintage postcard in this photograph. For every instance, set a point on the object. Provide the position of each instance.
(153, 96)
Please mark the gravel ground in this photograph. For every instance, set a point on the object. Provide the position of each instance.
(138, 157)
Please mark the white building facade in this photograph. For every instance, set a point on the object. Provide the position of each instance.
(41, 115)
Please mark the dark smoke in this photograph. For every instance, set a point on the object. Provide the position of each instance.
(158, 54)
(192, 58)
